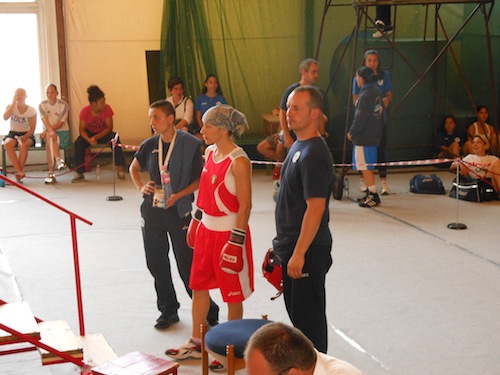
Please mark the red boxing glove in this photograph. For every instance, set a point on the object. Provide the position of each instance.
(193, 228)
(231, 256)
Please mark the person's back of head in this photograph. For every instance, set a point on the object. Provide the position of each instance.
(283, 347)
(367, 74)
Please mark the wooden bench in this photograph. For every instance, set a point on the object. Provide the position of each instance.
(68, 151)
(99, 148)
(64, 140)
(36, 147)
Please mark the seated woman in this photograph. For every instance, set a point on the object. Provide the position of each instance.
(481, 127)
(184, 108)
(54, 114)
(22, 126)
(478, 164)
(449, 140)
(211, 95)
(96, 126)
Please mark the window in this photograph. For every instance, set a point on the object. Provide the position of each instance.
(29, 52)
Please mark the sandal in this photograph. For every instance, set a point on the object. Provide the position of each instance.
(20, 176)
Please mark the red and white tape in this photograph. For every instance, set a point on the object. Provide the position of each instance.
(387, 164)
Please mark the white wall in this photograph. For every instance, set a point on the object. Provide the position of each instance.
(106, 44)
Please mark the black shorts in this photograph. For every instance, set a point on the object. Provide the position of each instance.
(13, 135)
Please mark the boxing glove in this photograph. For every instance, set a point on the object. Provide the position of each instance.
(231, 256)
(193, 228)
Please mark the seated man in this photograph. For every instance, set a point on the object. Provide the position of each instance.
(272, 147)
(277, 348)
(479, 164)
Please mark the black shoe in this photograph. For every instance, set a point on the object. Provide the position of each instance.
(363, 198)
(382, 29)
(165, 321)
(372, 200)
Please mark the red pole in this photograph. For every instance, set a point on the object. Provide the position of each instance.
(76, 263)
(38, 343)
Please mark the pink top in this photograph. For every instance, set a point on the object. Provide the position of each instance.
(95, 124)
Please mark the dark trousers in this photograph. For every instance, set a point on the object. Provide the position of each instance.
(384, 14)
(81, 145)
(158, 225)
(305, 298)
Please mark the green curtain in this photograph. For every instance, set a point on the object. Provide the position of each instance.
(186, 48)
(254, 48)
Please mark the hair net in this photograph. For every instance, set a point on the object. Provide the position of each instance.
(227, 117)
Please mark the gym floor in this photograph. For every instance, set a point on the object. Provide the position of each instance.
(406, 295)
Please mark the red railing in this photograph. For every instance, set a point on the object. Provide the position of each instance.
(73, 217)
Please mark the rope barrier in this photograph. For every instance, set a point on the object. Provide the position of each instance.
(277, 163)
(128, 147)
(69, 170)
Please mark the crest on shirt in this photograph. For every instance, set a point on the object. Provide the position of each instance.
(296, 157)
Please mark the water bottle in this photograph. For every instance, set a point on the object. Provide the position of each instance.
(166, 185)
(2, 182)
(98, 172)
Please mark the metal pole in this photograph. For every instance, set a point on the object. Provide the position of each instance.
(456, 224)
(113, 197)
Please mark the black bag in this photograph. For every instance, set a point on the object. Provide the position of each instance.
(472, 190)
(426, 184)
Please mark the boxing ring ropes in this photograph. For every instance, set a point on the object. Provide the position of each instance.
(361, 12)
(345, 166)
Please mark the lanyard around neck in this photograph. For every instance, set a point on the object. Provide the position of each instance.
(169, 152)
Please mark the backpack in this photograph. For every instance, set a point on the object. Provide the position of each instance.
(426, 184)
(473, 190)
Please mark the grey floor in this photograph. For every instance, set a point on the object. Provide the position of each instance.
(406, 295)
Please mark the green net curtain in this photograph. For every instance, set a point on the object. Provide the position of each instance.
(254, 47)
(186, 48)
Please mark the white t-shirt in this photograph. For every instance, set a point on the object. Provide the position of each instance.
(20, 122)
(479, 165)
(328, 365)
(184, 109)
(55, 113)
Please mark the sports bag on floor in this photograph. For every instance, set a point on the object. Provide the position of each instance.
(426, 184)
(472, 190)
